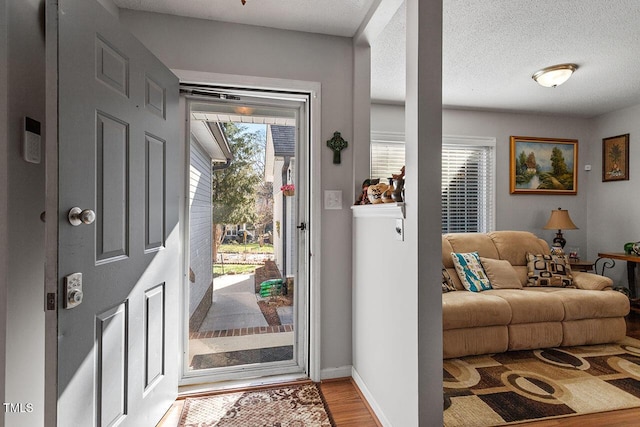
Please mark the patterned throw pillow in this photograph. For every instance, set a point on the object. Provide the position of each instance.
(447, 283)
(549, 270)
(470, 271)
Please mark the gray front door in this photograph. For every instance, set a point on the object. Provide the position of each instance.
(119, 156)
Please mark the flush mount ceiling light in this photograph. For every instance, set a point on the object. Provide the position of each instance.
(555, 75)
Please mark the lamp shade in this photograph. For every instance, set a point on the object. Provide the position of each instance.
(555, 75)
(560, 220)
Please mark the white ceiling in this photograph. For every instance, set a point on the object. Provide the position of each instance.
(490, 48)
(335, 17)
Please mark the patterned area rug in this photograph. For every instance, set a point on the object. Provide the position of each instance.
(516, 386)
(289, 406)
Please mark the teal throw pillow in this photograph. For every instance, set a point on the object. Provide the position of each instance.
(470, 271)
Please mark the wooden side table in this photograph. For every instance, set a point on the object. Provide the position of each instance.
(581, 265)
(631, 260)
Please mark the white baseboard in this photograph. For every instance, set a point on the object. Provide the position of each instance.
(331, 373)
(369, 397)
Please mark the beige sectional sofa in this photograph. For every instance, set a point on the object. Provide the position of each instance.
(518, 317)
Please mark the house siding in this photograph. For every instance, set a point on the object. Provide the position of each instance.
(200, 234)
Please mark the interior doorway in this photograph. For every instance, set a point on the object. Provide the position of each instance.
(246, 289)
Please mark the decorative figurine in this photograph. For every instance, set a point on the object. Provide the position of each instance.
(337, 144)
(364, 199)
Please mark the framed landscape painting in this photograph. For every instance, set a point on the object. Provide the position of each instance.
(543, 165)
(615, 158)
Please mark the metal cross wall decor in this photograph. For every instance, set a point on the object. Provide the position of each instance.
(337, 144)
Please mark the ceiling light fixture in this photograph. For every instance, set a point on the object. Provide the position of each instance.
(555, 75)
(243, 2)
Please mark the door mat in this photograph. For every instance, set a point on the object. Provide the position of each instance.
(300, 405)
(517, 386)
(242, 357)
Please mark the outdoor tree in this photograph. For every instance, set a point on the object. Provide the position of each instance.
(234, 188)
(264, 208)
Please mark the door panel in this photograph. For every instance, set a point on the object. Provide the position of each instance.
(118, 132)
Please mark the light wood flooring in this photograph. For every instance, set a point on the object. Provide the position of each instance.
(349, 408)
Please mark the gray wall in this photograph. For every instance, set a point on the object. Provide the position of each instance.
(24, 382)
(517, 211)
(198, 45)
(612, 206)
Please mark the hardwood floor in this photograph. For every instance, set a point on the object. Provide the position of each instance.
(347, 406)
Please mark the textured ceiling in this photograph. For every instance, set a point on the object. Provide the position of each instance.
(490, 47)
(334, 17)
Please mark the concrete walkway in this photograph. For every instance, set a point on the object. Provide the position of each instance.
(234, 304)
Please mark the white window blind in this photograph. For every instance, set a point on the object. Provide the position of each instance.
(387, 154)
(468, 171)
(468, 178)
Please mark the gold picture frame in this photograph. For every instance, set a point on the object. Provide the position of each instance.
(543, 166)
(615, 158)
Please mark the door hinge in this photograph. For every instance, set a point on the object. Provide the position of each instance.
(302, 226)
(51, 301)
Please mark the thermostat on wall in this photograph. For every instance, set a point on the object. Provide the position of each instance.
(31, 141)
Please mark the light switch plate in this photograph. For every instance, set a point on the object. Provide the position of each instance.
(333, 199)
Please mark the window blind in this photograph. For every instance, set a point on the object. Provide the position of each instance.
(387, 158)
(467, 188)
(468, 178)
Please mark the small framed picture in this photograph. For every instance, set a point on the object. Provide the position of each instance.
(615, 158)
(543, 165)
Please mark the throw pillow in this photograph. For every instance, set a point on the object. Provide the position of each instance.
(549, 270)
(470, 271)
(447, 283)
(501, 273)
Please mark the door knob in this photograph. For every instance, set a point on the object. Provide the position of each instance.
(78, 216)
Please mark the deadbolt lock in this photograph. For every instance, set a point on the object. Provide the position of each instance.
(73, 290)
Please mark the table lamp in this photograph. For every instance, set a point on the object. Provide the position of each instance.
(560, 220)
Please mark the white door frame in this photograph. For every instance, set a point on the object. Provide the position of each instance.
(314, 154)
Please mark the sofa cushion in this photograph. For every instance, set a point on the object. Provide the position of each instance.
(470, 271)
(531, 307)
(549, 271)
(584, 280)
(447, 283)
(514, 245)
(472, 242)
(470, 310)
(501, 274)
(585, 304)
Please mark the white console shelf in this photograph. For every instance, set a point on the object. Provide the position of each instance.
(380, 210)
